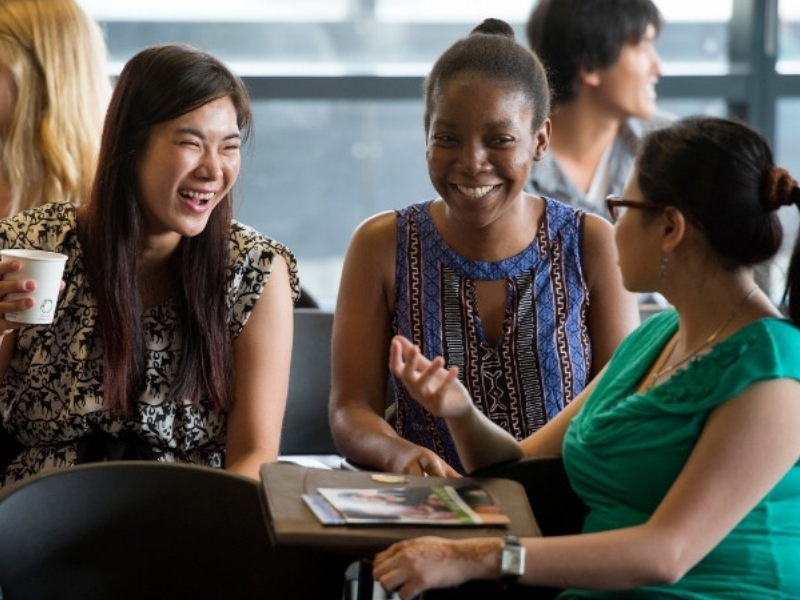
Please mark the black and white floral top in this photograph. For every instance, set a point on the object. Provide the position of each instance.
(51, 397)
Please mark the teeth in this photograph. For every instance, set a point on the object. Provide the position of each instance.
(202, 197)
(475, 192)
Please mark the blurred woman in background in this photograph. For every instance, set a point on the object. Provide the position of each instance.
(54, 90)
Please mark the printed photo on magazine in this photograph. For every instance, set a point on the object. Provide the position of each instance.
(411, 505)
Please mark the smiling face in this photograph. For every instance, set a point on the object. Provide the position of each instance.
(627, 87)
(190, 164)
(480, 148)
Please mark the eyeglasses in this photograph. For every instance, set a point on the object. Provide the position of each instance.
(617, 205)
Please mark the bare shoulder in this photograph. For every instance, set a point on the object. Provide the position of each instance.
(599, 250)
(377, 231)
(596, 229)
(779, 396)
(370, 260)
(374, 243)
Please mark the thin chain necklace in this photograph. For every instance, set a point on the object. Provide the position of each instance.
(709, 340)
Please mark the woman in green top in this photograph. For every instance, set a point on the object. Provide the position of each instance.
(685, 449)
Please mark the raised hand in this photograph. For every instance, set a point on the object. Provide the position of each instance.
(437, 389)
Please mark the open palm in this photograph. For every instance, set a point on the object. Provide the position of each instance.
(437, 389)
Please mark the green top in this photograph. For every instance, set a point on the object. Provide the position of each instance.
(625, 449)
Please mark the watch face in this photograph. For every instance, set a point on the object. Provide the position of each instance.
(512, 559)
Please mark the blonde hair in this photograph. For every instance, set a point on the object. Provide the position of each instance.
(57, 58)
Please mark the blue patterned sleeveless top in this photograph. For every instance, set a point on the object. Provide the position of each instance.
(543, 357)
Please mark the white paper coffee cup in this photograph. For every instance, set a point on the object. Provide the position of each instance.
(46, 269)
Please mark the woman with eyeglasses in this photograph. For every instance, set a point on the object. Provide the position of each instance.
(521, 292)
(685, 449)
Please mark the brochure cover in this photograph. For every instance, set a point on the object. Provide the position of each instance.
(411, 505)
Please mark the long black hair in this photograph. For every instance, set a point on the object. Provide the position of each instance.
(159, 84)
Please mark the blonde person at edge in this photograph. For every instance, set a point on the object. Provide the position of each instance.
(685, 449)
(173, 336)
(54, 90)
(521, 292)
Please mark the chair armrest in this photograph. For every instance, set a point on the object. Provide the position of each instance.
(556, 506)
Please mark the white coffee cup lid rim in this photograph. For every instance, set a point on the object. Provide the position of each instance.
(32, 254)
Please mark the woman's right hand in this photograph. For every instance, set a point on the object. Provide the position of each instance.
(8, 286)
(413, 566)
(437, 389)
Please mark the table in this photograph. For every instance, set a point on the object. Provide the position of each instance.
(291, 523)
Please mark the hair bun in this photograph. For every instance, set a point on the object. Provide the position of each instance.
(781, 189)
(494, 27)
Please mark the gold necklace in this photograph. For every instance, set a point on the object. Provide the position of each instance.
(709, 340)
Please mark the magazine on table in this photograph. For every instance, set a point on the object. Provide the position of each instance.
(468, 505)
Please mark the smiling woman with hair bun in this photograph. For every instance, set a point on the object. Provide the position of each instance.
(521, 293)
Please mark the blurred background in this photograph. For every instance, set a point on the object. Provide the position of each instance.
(336, 86)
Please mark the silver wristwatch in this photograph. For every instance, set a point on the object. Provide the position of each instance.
(512, 560)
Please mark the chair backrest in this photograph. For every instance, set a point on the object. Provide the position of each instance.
(306, 429)
(306, 300)
(149, 530)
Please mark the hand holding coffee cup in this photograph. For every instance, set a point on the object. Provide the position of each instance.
(29, 293)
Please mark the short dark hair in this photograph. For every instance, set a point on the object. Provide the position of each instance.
(491, 51)
(571, 36)
(157, 85)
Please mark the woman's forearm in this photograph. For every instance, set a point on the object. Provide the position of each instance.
(620, 559)
(481, 443)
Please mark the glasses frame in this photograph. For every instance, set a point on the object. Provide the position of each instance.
(613, 202)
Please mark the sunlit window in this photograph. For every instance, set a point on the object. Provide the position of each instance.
(242, 11)
(335, 37)
(789, 36)
(326, 157)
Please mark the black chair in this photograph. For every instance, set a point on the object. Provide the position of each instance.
(306, 300)
(149, 530)
(306, 430)
(556, 506)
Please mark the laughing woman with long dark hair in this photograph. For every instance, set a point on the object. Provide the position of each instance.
(172, 337)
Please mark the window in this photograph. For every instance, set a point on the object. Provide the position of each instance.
(336, 86)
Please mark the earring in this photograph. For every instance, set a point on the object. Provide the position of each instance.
(664, 261)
